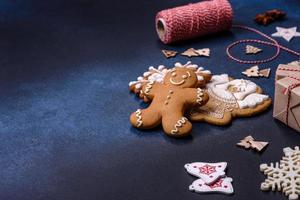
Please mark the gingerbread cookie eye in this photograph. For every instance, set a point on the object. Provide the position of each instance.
(184, 76)
(173, 74)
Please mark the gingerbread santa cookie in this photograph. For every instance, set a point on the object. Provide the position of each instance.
(170, 98)
(230, 98)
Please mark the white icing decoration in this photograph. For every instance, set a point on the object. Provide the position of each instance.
(160, 67)
(138, 115)
(223, 94)
(132, 83)
(244, 88)
(245, 94)
(218, 79)
(200, 78)
(187, 65)
(138, 86)
(140, 78)
(199, 95)
(179, 124)
(148, 87)
(206, 72)
(252, 100)
(146, 74)
(176, 83)
(182, 81)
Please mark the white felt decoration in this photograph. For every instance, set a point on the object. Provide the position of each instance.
(223, 185)
(286, 33)
(208, 172)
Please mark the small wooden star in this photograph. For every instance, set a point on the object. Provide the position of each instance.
(190, 52)
(252, 50)
(168, 53)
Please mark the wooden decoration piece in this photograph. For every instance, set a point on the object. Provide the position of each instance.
(203, 52)
(249, 142)
(269, 17)
(252, 50)
(265, 72)
(252, 71)
(258, 145)
(190, 52)
(255, 72)
(246, 142)
(283, 176)
(168, 53)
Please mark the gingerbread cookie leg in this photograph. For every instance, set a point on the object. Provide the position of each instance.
(145, 118)
(176, 125)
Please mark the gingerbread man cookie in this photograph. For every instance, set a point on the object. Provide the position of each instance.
(169, 100)
(158, 74)
(230, 98)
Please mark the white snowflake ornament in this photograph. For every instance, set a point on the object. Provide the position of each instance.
(284, 175)
(208, 172)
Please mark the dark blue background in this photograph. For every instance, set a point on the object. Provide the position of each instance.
(64, 103)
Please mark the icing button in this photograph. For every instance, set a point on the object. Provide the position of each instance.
(171, 92)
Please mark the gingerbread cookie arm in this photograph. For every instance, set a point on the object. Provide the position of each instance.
(196, 96)
(146, 118)
(149, 89)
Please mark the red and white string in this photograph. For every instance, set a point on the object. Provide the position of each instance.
(272, 42)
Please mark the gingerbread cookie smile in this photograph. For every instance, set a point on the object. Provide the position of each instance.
(174, 74)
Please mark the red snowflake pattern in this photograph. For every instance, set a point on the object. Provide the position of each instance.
(216, 184)
(207, 169)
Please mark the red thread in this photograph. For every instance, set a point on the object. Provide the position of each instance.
(206, 17)
(288, 90)
(272, 43)
(193, 20)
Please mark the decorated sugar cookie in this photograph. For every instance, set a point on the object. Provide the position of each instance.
(230, 98)
(175, 91)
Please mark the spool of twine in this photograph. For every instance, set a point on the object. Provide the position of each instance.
(193, 20)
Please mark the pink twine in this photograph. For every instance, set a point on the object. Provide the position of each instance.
(209, 16)
(288, 91)
(272, 43)
(193, 20)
